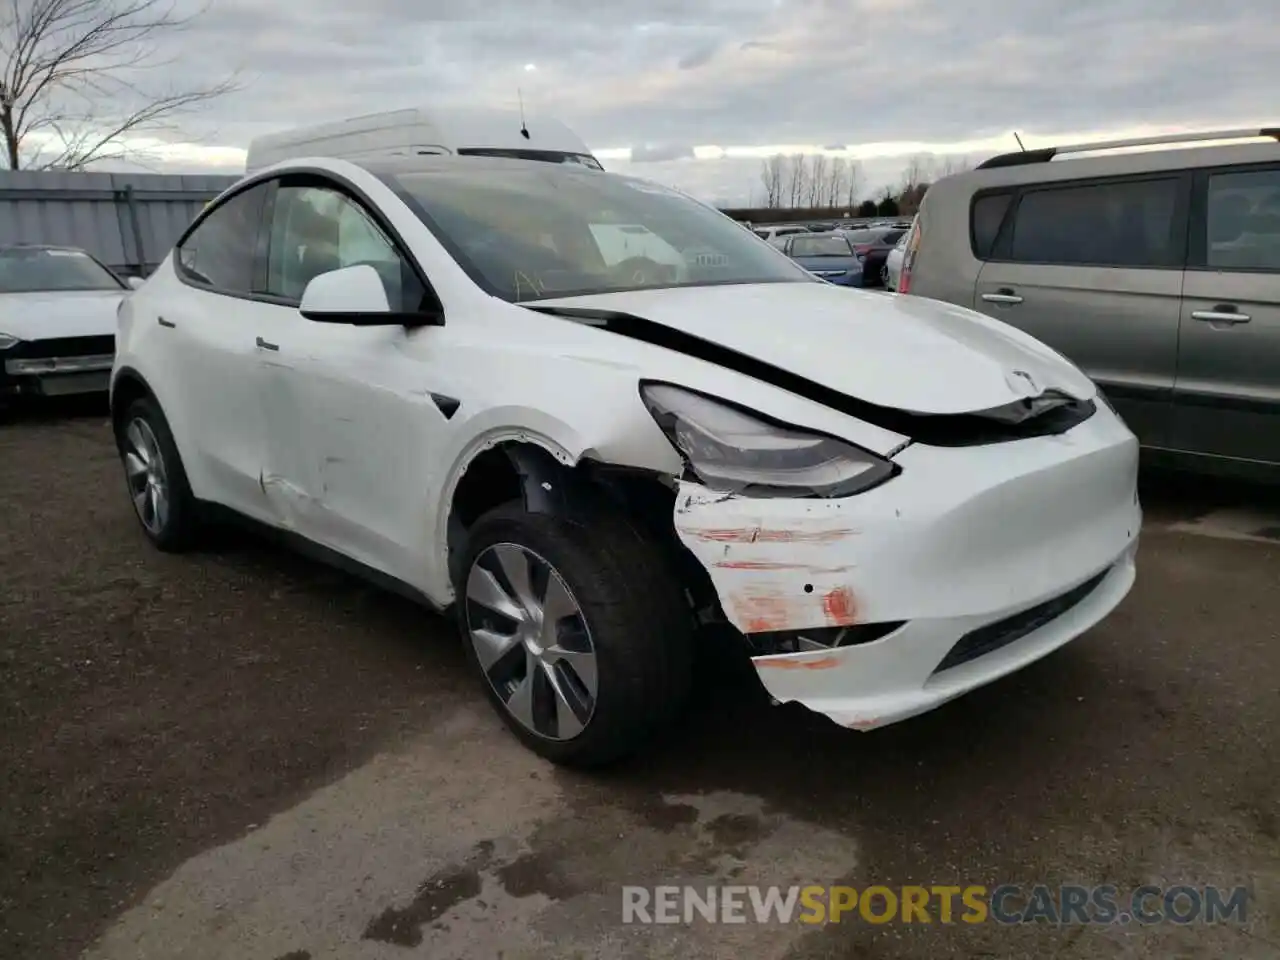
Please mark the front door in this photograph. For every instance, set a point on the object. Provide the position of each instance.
(347, 409)
(1227, 395)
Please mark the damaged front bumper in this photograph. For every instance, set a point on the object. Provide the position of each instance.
(971, 564)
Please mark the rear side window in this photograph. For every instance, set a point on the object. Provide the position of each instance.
(1243, 221)
(985, 219)
(220, 251)
(1118, 224)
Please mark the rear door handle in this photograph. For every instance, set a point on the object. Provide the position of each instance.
(1006, 297)
(263, 345)
(1222, 313)
(165, 323)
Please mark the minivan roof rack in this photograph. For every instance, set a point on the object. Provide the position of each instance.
(1045, 154)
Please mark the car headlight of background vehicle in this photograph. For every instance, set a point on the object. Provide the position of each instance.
(732, 450)
(7, 341)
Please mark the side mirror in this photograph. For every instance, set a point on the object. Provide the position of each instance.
(355, 296)
(135, 282)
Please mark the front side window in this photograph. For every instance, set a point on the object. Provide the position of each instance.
(1120, 224)
(1242, 221)
(220, 252)
(545, 230)
(37, 269)
(315, 230)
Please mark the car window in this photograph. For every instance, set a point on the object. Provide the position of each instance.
(315, 230)
(1243, 221)
(1122, 224)
(986, 219)
(893, 236)
(220, 251)
(32, 269)
(817, 245)
(861, 236)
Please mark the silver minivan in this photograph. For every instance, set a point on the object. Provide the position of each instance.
(1156, 270)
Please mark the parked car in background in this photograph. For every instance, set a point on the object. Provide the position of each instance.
(425, 371)
(827, 255)
(1156, 270)
(874, 244)
(775, 232)
(57, 321)
(892, 268)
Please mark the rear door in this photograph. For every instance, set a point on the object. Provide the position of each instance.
(1227, 395)
(1094, 269)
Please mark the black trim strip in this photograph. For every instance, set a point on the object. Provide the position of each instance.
(1135, 391)
(1220, 401)
(938, 430)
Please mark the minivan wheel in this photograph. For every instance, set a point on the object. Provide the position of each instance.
(578, 630)
(156, 480)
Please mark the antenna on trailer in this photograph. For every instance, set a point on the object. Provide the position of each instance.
(1019, 139)
(524, 129)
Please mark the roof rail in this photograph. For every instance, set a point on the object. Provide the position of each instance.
(1045, 154)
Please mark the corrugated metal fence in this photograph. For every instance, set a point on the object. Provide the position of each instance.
(129, 221)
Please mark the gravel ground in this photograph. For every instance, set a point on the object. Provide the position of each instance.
(242, 754)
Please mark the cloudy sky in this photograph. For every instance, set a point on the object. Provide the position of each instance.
(717, 84)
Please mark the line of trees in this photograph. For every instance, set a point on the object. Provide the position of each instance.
(818, 184)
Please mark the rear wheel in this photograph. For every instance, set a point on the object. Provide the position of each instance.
(156, 480)
(578, 631)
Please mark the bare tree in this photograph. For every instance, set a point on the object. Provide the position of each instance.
(919, 170)
(853, 184)
(836, 182)
(819, 172)
(772, 172)
(797, 180)
(67, 79)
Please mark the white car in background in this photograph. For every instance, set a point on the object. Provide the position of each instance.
(429, 372)
(57, 321)
(893, 263)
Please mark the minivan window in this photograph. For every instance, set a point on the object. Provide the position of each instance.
(32, 269)
(1243, 221)
(1118, 224)
(220, 251)
(988, 215)
(536, 231)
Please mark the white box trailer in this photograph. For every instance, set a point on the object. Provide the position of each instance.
(424, 131)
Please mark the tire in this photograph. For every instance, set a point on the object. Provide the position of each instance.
(630, 612)
(144, 428)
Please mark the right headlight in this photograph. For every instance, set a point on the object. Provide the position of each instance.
(734, 451)
(7, 341)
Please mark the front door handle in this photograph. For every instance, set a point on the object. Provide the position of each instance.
(264, 345)
(1221, 313)
(165, 323)
(1005, 297)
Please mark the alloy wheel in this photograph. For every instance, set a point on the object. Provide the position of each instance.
(145, 471)
(531, 641)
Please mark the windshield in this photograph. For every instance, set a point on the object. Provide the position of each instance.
(862, 236)
(36, 269)
(833, 245)
(552, 231)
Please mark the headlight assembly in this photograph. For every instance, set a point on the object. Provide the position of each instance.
(730, 449)
(7, 341)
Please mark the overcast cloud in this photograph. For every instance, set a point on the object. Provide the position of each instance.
(663, 76)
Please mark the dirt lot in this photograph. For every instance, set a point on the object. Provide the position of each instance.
(241, 754)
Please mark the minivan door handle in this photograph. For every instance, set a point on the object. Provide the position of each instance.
(1226, 313)
(263, 345)
(1003, 296)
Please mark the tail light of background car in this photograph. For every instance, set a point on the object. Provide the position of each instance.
(909, 257)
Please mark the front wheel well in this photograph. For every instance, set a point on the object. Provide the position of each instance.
(526, 472)
(128, 387)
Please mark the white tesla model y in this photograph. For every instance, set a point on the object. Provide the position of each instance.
(428, 371)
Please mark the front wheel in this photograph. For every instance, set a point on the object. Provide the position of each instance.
(157, 482)
(578, 630)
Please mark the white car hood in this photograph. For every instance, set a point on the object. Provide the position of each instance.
(46, 316)
(907, 353)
